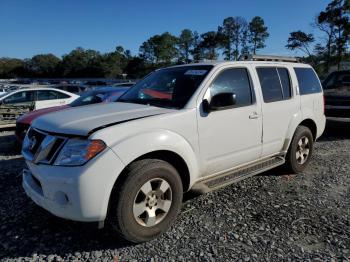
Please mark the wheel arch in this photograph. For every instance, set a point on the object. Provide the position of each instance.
(311, 124)
(168, 156)
(308, 122)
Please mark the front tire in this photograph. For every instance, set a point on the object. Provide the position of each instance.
(300, 150)
(147, 201)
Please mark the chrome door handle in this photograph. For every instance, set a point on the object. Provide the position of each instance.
(254, 116)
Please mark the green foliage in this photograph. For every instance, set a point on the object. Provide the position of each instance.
(43, 65)
(186, 44)
(209, 45)
(82, 63)
(300, 40)
(334, 24)
(232, 35)
(160, 49)
(11, 67)
(257, 34)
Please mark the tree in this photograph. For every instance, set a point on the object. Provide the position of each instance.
(82, 63)
(257, 34)
(11, 67)
(300, 40)
(44, 65)
(334, 23)
(196, 51)
(231, 36)
(160, 49)
(185, 45)
(208, 45)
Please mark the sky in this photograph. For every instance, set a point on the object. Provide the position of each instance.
(31, 27)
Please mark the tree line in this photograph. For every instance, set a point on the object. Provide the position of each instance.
(332, 48)
(234, 37)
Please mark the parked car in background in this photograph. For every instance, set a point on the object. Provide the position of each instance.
(99, 95)
(2, 91)
(16, 103)
(75, 89)
(337, 95)
(96, 83)
(129, 162)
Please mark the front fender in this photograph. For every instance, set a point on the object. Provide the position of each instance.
(136, 146)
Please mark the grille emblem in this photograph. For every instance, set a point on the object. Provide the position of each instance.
(32, 143)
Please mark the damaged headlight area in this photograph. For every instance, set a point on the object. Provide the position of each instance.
(77, 152)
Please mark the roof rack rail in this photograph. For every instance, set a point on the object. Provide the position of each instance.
(273, 58)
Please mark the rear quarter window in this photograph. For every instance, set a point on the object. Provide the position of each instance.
(308, 81)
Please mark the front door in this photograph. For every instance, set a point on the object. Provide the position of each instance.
(230, 137)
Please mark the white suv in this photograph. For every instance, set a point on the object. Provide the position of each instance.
(189, 127)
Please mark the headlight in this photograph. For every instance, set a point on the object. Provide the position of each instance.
(77, 152)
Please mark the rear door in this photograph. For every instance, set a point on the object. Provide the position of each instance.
(278, 106)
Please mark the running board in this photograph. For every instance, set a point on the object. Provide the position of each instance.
(236, 175)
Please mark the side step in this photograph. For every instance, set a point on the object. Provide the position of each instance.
(238, 174)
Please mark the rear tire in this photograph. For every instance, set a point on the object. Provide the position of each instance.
(300, 150)
(147, 201)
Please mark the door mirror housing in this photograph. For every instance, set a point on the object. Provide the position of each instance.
(220, 101)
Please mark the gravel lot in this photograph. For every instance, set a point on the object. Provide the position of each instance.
(271, 217)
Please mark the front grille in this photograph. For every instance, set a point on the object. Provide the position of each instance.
(55, 148)
(36, 138)
(41, 147)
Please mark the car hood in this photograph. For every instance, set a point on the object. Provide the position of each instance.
(84, 120)
(29, 117)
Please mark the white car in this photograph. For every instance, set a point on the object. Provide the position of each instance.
(37, 98)
(189, 127)
(2, 91)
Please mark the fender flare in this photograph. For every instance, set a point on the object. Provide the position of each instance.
(129, 149)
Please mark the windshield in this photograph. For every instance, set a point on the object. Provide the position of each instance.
(169, 87)
(98, 96)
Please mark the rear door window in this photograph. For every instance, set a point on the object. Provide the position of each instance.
(47, 95)
(61, 95)
(275, 83)
(308, 81)
(270, 84)
(285, 82)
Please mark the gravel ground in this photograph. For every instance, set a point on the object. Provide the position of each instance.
(270, 217)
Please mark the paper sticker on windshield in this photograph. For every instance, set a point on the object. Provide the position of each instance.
(195, 72)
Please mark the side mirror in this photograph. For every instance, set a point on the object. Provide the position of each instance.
(220, 101)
